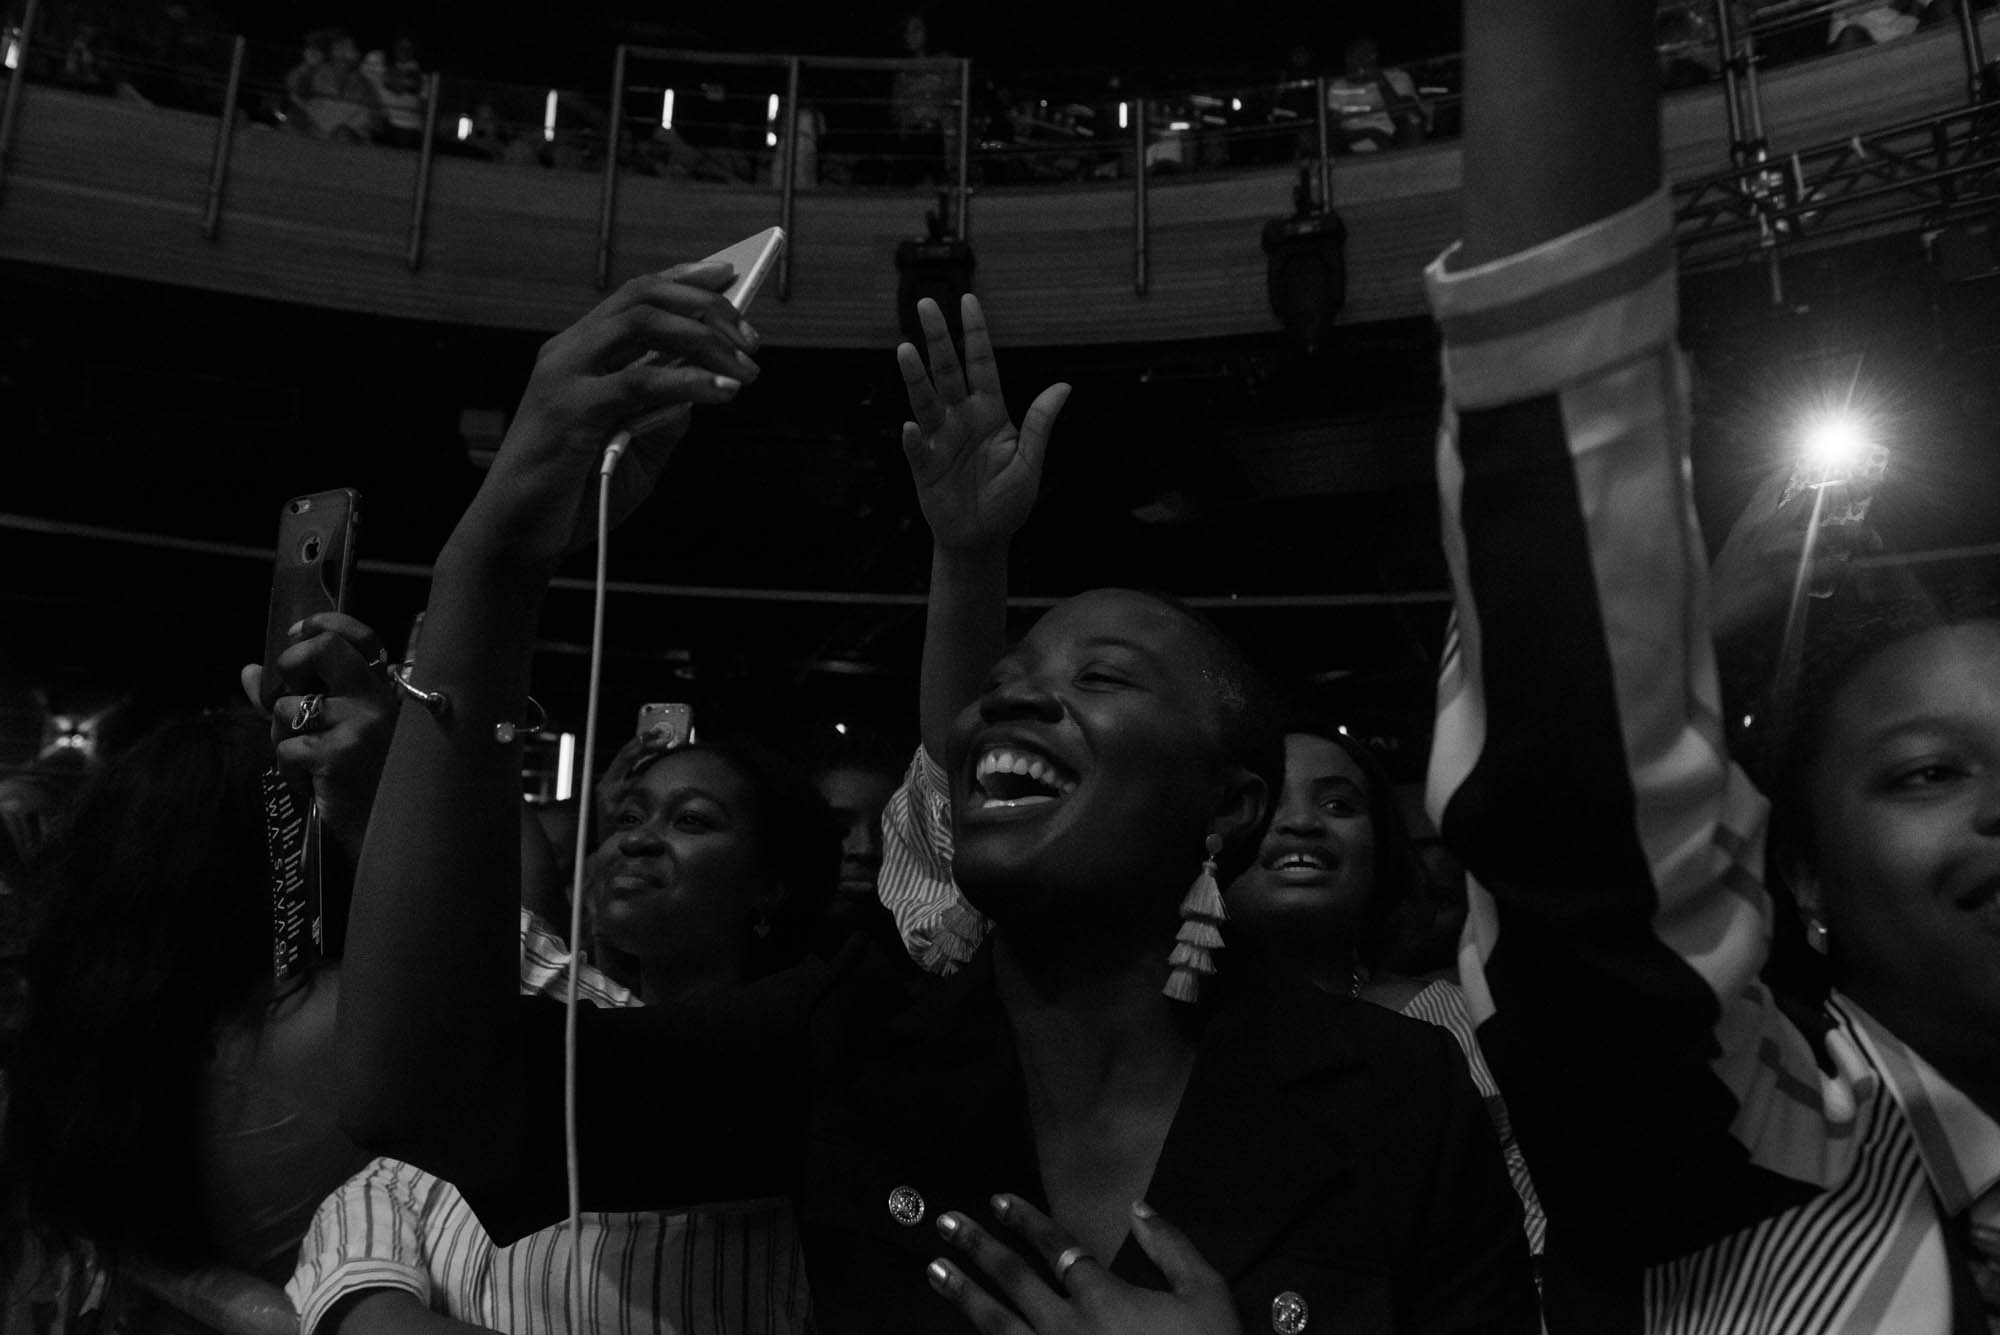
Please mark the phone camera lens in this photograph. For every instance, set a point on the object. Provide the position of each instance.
(309, 549)
(301, 505)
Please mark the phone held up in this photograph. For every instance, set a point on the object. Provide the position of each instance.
(315, 559)
(310, 573)
(753, 258)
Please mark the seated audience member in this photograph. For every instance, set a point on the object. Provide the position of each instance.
(1706, 1161)
(713, 866)
(1854, 26)
(340, 103)
(1027, 1119)
(399, 91)
(299, 81)
(170, 1098)
(1374, 108)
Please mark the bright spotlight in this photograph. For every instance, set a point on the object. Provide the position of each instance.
(1836, 443)
(464, 128)
(667, 110)
(840, 728)
(549, 118)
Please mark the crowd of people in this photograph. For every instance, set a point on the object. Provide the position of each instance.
(1120, 1006)
(902, 129)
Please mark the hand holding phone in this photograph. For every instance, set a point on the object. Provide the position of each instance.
(752, 258)
(314, 560)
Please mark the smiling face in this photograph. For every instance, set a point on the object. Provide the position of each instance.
(1904, 800)
(1310, 887)
(1086, 778)
(679, 879)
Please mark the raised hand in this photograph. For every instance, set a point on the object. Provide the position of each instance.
(333, 732)
(1087, 1296)
(595, 379)
(976, 473)
(1752, 576)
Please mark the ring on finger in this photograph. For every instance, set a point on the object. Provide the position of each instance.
(307, 712)
(1069, 1257)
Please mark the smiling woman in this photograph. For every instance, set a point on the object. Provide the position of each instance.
(1049, 1110)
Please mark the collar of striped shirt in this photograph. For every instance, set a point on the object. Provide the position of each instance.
(545, 969)
(1959, 1143)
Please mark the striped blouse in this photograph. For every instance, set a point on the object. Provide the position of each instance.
(731, 1269)
(1706, 1166)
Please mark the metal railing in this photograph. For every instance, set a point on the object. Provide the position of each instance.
(792, 123)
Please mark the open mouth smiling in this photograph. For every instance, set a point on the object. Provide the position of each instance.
(1009, 776)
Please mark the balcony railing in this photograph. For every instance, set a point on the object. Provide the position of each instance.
(940, 132)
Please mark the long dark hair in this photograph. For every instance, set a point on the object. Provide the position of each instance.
(157, 928)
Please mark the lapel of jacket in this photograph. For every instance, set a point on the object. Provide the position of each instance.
(1242, 1164)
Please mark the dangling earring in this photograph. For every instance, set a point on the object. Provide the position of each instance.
(1202, 916)
(1817, 935)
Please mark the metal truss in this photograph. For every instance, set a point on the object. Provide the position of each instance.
(1915, 176)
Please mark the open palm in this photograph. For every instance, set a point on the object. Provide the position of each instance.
(976, 473)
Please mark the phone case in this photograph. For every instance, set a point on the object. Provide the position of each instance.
(315, 557)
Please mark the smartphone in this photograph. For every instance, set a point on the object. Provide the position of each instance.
(753, 258)
(669, 724)
(315, 559)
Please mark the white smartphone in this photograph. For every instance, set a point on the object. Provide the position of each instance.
(753, 258)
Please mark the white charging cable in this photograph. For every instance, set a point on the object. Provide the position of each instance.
(612, 454)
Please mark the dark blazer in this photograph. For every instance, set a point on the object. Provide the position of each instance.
(1325, 1148)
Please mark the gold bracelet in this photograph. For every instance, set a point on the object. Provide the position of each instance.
(439, 704)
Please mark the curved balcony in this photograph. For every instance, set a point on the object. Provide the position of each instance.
(115, 187)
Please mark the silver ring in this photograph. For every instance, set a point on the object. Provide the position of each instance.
(307, 712)
(1070, 1256)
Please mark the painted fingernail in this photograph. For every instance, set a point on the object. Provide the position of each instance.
(949, 1224)
(297, 628)
(1141, 1210)
(1001, 1205)
(939, 1275)
(750, 335)
(748, 365)
(728, 384)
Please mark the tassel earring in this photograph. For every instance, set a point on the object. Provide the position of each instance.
(1202, 916)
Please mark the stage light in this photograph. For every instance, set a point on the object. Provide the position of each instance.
(464, 128)
(13, 49)
(1236, 104)
(667, 110)
(549, 118)
(840, 728)
(1124, 115)
(771, 122)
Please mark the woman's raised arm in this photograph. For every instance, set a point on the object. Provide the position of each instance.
(428, 1044)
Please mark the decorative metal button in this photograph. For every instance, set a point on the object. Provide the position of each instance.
(1288, 1313)
(906, 1207)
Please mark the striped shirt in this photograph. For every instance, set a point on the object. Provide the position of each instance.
(731, 1269)
(917, 887)
(1683, 1133)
